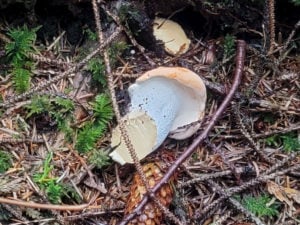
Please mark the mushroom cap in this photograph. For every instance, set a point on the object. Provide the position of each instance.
(142, 133)
(172, 35)
(193, 92)
(163, 102)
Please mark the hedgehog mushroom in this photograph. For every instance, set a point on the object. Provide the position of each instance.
(164, 101)
(172, 35)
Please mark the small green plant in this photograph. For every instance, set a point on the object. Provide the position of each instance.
(22, 43)
(53, 190)
(102, 109)
(88, 136)
(296, 2)
(289, 141)
(64, 105)
(259, 205)
(115, 50)
(5, 161)
(39, 104)
(97, 68)
(23, 40)
(91, 132)
(63, 124)
(90, 34)
(229, 44)
(58, 108)
(99, 158)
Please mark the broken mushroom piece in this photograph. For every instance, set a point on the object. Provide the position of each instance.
(141, 130)
(172, 35)
(171, 101)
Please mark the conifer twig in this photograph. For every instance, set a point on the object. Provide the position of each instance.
(43, 206)
(271, 24)
(249, 138)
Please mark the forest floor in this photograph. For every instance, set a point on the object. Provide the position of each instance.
(57, 117)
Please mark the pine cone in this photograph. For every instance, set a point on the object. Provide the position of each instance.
(151, 214)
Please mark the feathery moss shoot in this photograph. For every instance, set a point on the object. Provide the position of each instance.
(259, 205)
(91, 132)
(22, 43)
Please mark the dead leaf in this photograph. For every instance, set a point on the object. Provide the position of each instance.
(278, 192)
(293, 194)
(95, 184)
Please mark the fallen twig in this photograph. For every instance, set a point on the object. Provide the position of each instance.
(43, 206)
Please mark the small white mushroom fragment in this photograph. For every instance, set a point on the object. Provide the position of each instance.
(164, 101)
(172, 35)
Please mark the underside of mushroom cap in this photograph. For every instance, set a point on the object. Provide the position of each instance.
(193, 110)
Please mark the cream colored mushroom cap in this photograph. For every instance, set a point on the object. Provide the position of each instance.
(197, 100)
(172, 35)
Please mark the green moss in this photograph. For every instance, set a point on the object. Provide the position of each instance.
(17, 50)
(88, 136)
(99, 158)
(54, 190)
(296, 2)
(259, 205)
(289, 142)
(229, 45)
(92, 131)
(5, 161)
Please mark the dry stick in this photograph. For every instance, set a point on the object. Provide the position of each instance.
(243, 129)
(223, 218)
(266, 134)
(113, 97)
(237, 78)
(42, 86)
(284, 50)
(220, 89)
(271, 15)
(207, 176)
(123, 130)
(20, 140)
(16, 213)
(44, 59)
(43, 206)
